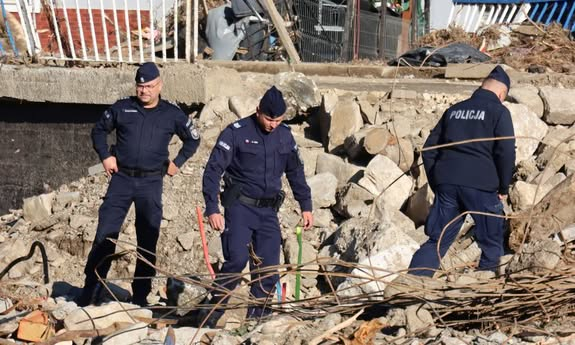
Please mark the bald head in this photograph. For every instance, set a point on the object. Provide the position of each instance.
(497, 87)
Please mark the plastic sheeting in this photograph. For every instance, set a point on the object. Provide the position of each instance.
(453, 53)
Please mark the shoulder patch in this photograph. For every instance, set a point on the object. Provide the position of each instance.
(236, 125)
(224, 145)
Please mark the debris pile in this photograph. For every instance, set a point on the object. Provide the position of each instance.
(525, 47)
(361, 156)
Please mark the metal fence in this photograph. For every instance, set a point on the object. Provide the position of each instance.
(148, 30)
(97, 30)
(321, 29)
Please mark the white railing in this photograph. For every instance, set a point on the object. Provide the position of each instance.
(140, 34)
(472, 17)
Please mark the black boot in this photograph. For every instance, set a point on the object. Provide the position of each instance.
(257, 313)
(86, 297)
(207, 318)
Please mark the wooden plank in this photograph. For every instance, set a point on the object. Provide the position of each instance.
(282, 32)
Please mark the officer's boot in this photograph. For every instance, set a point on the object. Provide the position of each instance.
(206, 315)
(257, 313)
(91, 286)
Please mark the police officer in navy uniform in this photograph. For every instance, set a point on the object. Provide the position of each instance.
(144, 126)
(252, 155)
(469, 177)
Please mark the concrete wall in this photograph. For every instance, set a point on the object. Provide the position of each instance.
(43, 146)
(183, 83)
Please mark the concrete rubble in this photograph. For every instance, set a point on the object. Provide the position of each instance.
(360, 151)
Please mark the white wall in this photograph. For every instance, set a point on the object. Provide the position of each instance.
(439, 13)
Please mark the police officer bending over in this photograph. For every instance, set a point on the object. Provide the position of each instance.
(469, 177)
(144, 127)
(252, 154)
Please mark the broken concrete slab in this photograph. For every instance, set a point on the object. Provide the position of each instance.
(376, 139)
(300, 91)
(130, 335)
(38, 207)
(323, 188)
(559, 105)
(470, 70)
(352, 200)
(343, 171)
(526, 124)
(418, 205)
(309, 158)
(537, 257)
(385, 248)
(105, 315)
(554, 213)
(383, 175)
(346, 119)
(400, 151)
(243, 106)
(528, 95)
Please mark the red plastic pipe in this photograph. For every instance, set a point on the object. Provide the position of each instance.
(204, 242)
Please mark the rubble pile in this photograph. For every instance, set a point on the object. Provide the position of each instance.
(526, 47)
(361, 156)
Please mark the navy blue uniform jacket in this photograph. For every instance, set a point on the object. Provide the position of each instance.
(257, 160)
(143, 135)
(486, 165)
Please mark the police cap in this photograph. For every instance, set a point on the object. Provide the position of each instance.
(147, 72)
(272, 103)
(500, 75)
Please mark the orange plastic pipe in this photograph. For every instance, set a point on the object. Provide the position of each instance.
(204, 242)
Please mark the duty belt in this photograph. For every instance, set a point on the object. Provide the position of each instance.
(246, 200)
(139, 172)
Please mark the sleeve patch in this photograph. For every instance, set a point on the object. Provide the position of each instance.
(194, 133)
(224, 145)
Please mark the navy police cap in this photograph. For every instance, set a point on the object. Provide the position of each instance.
(500, 75)
(147, 72)
(272, 103)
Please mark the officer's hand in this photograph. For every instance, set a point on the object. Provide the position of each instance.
(502, 196)
(110, 165)
(307, 220)
(216, 221)
(172, 169)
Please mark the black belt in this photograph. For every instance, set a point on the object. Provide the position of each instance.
(140, 173)
(246, 200)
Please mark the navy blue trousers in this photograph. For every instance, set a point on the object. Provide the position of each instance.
(450, 201)
(245, 225)
(146, 194)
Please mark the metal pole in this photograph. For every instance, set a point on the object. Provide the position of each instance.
(140, 40)
(152, 33)
(164, 30)
(69, 30)
(176, 7)
(96, 54)
(128, 33)
(81, 29)
(188, 30)
(117, 31)
(25, 27)
(196, 24)
(56, 29)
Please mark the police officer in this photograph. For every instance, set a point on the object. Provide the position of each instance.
(469, 177)
(144, 127)
(252, 154)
